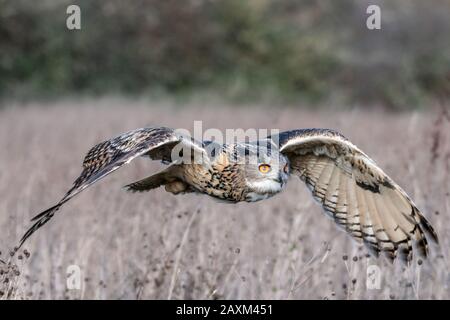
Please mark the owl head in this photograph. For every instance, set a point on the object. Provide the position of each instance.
(265, 169)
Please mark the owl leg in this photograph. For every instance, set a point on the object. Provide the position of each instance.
(176, 187)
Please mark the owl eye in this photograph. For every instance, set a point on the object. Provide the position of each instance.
(264, 168)
(286, 168)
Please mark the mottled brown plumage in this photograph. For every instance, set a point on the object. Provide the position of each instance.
(351, 188)
(356, 193)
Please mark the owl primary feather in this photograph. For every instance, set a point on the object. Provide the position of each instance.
(349, 186)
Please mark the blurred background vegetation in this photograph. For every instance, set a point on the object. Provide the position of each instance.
(283, 51)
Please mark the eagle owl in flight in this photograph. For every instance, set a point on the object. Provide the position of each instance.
(350, 187)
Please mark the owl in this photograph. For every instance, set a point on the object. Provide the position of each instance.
(350, 187)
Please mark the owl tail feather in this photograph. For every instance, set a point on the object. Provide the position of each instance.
(40, 219)
(154, 181)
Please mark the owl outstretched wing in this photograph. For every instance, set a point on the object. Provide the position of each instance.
(110, 155)
(356, 193)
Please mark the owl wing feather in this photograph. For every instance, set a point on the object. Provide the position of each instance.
(110, 155)
(356, 193)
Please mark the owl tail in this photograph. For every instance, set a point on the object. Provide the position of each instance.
(152, 182)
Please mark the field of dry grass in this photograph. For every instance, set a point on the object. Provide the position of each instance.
(159, 246)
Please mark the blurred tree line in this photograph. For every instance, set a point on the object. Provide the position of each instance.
(287, 50)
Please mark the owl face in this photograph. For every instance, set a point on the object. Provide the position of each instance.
(266, 171)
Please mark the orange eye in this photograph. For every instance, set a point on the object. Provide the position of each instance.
(264, 168)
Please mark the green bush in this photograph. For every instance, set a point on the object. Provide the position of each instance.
(252, 50)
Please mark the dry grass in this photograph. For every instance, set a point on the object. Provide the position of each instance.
(159, 246)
